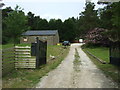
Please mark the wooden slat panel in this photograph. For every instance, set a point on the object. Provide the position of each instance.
(23, 56)
(22, 53)
(20, 47)
(23, 63)
(25, 67)
(27, 50)
(26, 59)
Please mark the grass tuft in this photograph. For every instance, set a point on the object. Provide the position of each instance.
(76, 61)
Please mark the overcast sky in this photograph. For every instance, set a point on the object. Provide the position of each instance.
(48, 9)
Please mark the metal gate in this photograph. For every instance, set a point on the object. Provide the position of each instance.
(115, 53)
(39, 49)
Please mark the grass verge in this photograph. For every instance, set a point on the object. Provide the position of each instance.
(76, 61)
(28, 78)
(109, 70)
(100, 52)
(7, 46)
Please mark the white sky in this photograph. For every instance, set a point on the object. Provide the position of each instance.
(48, 9)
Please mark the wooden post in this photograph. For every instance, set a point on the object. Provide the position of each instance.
(110, 51)
(37, 53)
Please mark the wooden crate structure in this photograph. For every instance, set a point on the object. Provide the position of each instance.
(23, 58)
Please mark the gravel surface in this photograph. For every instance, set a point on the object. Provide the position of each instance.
(65, 75)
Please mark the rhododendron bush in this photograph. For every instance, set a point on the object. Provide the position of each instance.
(97, 36)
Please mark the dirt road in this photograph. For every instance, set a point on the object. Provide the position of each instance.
(65, 76)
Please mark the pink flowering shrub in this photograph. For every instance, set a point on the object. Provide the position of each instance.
(96, 36)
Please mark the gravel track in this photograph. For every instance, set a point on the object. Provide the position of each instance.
(65, 76)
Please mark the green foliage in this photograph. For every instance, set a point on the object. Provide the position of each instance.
(100, 52)
(7, 46)
(115, 34)
(110, 19)
(105, 17)
(88, 19)
(15, 25)
(36, 23)
(69, 28)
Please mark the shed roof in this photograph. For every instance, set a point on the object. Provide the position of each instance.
(39, 32)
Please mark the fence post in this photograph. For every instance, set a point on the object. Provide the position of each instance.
(37, 52)
(2, 61)
(14, 55)
(110, 51)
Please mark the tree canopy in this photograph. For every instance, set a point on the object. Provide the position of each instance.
(16, 22)
(88, 19)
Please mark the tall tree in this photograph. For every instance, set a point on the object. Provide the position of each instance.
(69, 30)
(30, 17)
(110, 19)
(115, 34)
(88, 19)
(105, 17)
(52, 24)
(58, 26)
(43, 24)
(5, 13)
(15, 24)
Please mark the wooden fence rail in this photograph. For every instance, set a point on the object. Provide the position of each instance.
(7, 60)
(17, 57)
(20, 57)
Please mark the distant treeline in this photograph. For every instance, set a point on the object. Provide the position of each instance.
(15, 22)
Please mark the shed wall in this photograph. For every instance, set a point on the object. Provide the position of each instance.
(51, 40)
